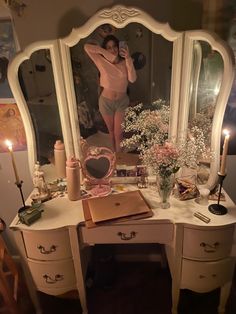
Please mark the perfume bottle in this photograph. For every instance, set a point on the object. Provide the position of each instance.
(73, 179)
(60, 159)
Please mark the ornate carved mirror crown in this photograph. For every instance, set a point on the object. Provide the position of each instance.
(191, 71)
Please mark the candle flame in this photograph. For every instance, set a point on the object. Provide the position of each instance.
(226, 132)
(9, 144)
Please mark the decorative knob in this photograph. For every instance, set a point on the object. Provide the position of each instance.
(124, 237)
(42, 249)
(51, 280)
(210, 248)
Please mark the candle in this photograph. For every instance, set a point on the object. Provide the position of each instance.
(9, 146)
(224, 153)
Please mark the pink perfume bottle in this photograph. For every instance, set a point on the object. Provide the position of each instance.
(60, 159)
(73, 179)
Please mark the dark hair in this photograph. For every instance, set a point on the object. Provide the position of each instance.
(108, 38)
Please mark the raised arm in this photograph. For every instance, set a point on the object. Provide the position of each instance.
(96, 52)
(132, 76)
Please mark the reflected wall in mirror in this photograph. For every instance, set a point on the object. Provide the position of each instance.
(37, 83)
(152, 58)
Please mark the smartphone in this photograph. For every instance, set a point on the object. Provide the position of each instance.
(122, 44)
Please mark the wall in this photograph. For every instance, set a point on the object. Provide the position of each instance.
(55, 18)
(181, 14)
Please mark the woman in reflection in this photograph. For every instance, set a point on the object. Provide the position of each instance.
(116, 70)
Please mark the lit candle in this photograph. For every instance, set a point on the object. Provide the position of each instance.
(9, 146)
(224, 153)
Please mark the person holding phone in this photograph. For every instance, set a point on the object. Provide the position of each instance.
(116, 71)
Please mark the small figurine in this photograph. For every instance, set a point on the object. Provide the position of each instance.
(41, 191)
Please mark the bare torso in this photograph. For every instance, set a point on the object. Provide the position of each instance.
(111, 94)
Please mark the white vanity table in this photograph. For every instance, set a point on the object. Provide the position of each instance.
(199, 254)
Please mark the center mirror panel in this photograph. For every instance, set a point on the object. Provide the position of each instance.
(156, 57)
(152, 58)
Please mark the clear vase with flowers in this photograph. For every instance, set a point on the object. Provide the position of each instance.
(164, 161)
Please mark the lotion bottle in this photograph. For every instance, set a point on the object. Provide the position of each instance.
(73, 179)
(60, 159)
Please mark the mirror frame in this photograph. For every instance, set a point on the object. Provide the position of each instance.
(13, 69)
(227, 80)
(95, 153)
(120, 16)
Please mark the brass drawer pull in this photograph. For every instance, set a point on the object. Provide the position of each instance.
(124, 237)
(201, 276)
(50, 280)
(42, 249)
(210, 248)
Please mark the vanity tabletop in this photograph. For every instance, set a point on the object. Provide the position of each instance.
(60, 212)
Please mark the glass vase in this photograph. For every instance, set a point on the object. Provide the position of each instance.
(165, 186)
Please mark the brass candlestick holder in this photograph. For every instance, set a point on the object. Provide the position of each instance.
(19, 185)
(218, 209)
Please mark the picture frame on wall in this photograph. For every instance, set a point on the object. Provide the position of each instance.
(11, 126)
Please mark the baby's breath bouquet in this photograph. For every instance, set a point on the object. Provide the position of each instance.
(145, 127)
(147, 131)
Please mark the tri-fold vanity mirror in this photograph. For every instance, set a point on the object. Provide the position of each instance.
(55, 84)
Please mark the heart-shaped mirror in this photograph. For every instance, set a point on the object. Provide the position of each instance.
(98, 166)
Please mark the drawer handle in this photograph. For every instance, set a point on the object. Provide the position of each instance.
(50, 280)
(214, 275)
(210, 248)
(42, 249)
(124, 237)
(202, 276)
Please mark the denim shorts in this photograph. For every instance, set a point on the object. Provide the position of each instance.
(110, 107)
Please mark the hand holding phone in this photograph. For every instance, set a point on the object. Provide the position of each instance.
(122, 44)
(123, 49)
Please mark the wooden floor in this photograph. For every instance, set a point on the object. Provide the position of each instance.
(129, 288)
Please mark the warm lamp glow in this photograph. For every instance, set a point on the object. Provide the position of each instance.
(224, 153)
(9, 144)
(226, 132)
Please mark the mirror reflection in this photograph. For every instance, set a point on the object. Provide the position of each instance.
(98, 168)
(37, 83)
(141, 74)
(206, 79)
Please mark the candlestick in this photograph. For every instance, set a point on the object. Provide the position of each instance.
(9, 146)
(218, 209)
(224, 153)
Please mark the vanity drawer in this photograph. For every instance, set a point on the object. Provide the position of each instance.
(206, 276)
(207, 244)
(47, 245)
(55, 276)
(149, 233)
